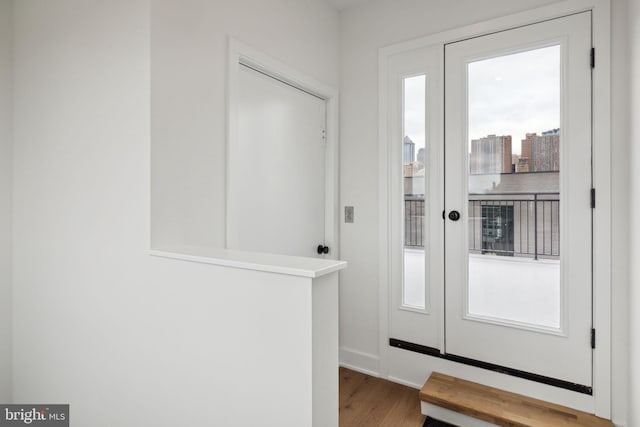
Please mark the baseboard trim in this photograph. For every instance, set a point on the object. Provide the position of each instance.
(359, 361)
(404, 382)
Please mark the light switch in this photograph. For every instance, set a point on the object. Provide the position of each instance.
(348, 214)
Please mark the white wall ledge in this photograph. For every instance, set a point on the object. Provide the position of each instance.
(272, 263)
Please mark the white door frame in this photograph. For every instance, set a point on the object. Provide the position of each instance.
(600, 402)
(240, 53)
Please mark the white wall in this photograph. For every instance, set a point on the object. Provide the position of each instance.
(634, 234)
(364, 30)
(6, 125)
(126, 339)
(188, 110)
(620, 256)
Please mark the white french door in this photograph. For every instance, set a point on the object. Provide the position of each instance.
(517, 195)
(491, 225)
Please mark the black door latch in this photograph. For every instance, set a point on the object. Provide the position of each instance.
(454, 215)
(322, 249)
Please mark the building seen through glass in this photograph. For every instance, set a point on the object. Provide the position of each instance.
(514, 199)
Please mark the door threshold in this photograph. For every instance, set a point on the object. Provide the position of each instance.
(434, 352)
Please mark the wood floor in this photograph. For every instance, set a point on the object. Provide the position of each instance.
(367, 401)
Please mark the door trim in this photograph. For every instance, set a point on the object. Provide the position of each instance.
(600, 402)
(241, 53)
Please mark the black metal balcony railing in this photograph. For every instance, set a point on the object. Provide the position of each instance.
(508, 224)
(414, 222)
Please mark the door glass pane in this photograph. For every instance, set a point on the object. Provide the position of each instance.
(514, 191)
(413, 159)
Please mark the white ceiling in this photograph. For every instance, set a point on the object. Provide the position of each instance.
(344, 4)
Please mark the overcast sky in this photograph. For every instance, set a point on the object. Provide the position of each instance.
(414, 110)
(515, 94)
(508, 95)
